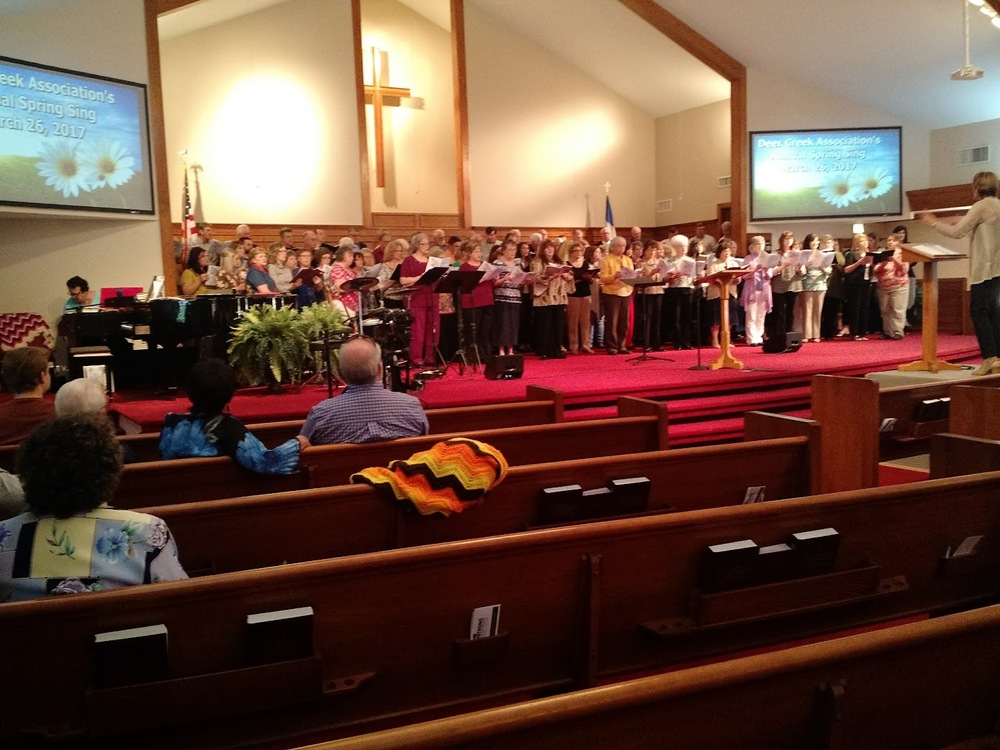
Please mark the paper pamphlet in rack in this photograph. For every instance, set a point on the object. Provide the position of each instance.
(485, 622)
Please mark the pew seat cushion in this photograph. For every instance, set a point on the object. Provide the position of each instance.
(447, 478)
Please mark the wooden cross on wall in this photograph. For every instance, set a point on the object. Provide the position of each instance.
(379, 94)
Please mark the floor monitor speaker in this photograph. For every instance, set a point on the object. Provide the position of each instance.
(504, 367)
(783, 343)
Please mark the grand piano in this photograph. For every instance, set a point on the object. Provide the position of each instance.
(156, 342)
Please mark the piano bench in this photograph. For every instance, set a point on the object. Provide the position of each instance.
(90, 356)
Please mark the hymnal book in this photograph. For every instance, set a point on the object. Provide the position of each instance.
(666, 268)
(629, 273)
(688, 266)
(585, 273)
(816, 550)
(728, 566)
(441, 262)
(561, 504)
(597, 503)
(775, 562)
(308, 276)
(280, 635)
(631, 494)
(492, 271)
(768, 260)
(130, 657)
(485, 622)
(932, 409)
(556, 270)
(213, 276)
(880, 256)
(825, 260)
(519, 276)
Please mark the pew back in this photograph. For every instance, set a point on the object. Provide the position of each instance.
(391, 629)
(852, 412)
(542, 405)
(199, 479)
(225, 535)
(925, 684)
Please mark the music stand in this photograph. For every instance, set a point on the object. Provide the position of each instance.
(644, 282)
(360, 285)
(458, 283)
(724, 279)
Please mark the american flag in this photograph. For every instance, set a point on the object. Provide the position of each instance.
(188, 225)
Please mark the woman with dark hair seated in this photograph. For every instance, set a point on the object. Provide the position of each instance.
(70, 541)
(206, 431)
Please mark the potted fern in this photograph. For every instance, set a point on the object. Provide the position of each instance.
(268, 346)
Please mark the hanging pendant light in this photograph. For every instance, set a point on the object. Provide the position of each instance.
(967, 72)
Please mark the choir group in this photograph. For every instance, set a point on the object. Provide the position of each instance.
(559, 297)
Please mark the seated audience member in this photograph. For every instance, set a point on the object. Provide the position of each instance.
(81, 396)
(206, 431)
(26, 373)
(365, 411)
(69, 540)
(80, 293)
(259, 281)
(11, 495)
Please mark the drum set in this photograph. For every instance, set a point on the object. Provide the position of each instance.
(390, 328)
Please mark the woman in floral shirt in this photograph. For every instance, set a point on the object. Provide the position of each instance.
(70, 541)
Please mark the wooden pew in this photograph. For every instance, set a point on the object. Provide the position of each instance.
(851, 412)
(542, 405)
(974, 411)
(580, 604)
(641, 426)
(225, 535)
(926, 684)
(958, 455)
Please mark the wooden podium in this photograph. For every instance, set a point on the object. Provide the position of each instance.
(724, 280)
(929, 256)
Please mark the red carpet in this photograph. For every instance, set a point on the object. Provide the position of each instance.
(591, 383)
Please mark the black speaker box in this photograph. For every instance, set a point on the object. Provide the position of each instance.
(783, 343)
(504, 367)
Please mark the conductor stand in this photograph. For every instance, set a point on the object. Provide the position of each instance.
(929, 255)
(643, 284)
(458, 283)
(725, 280)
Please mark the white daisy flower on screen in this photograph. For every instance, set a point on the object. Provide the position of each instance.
(873, 183)
(110, 163)
(62, 169)
(839, 191)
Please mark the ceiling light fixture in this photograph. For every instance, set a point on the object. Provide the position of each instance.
(967, 72)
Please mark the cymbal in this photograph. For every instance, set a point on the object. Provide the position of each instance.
(360, 284)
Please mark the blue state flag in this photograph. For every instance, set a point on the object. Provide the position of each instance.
(609, 218)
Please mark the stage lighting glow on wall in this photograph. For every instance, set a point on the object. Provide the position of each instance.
(265, 158)
(73, 141)
(825, 174)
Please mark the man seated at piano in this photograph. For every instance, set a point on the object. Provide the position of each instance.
(259, 281)
(194, 280)
(207, 431)
(80, 294)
